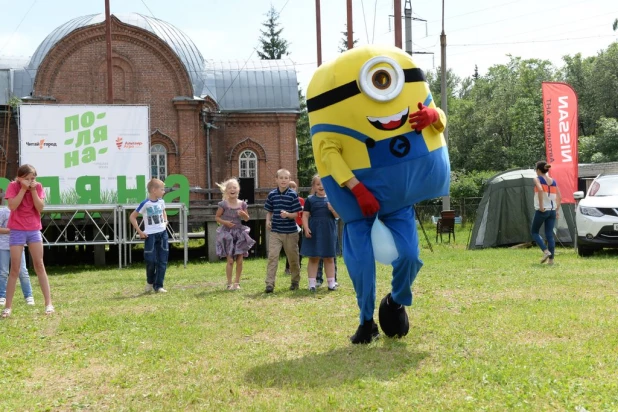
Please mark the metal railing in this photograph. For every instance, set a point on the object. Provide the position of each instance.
(104, 224)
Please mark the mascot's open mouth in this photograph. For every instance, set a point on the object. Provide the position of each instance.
(391, 122)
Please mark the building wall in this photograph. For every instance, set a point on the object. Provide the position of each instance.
(147, 71)
(9, 157)
(271, 136)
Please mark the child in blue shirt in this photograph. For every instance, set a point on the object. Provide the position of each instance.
(156, 247)
(282, 207)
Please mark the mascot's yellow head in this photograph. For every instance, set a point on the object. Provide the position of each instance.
(371, 89)
(359, 105)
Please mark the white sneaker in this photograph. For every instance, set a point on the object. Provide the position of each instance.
(161, 290)
(2, 301)
(49, 309)
(149, 288)
(30, 301)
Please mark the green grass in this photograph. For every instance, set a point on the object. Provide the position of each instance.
(490, 330)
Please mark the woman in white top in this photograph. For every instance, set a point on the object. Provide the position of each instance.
(546, 203)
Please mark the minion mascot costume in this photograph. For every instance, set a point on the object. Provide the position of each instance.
(373, 162)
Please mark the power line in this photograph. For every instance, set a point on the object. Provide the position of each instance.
(536, 12)
(151, 13)
(375, 9)
(477, 11)
(18, 26)
(247, 60)
(365, 20)
(529, 41)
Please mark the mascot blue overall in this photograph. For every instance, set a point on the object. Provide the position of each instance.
(379, 148)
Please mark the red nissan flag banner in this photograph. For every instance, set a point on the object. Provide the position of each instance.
(560, 124)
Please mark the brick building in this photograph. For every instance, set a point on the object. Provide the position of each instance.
(208, 120)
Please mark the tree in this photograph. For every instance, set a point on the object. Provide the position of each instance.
(306, 164)
(343, 43)
(273, 45)
(615, 25)
(497, 123)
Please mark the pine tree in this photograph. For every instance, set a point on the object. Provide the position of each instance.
(306, 163)
(273, 45)
(343, 44)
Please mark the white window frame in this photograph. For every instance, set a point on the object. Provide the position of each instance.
(160, 153)
(243, 165)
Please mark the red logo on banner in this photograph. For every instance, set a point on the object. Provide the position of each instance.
(560, 118)
(119, 143)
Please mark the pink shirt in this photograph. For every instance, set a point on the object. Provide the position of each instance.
(25, 217)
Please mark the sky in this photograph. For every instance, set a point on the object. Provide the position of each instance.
(480, 32)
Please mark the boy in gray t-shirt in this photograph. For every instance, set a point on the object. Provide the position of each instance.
(156, 247)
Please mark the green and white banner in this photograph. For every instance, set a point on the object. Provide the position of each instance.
(87, 154)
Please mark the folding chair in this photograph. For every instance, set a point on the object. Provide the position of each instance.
(446, 224)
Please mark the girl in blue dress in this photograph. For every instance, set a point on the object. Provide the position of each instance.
(320, 231)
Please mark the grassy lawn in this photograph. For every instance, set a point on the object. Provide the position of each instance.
(490, 330)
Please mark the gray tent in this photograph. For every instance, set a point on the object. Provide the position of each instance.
(505, 213)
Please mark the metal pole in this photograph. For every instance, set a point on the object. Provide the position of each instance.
(446, 200)
(318, 31)
(108, 41)
(397, 13)
(407, 11)
(208, 126)
(350, 27)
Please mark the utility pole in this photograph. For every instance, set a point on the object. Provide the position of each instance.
(349, 26)
(318, 30)
(407, 11)
(397, 13)
(446, 200)
(408, 28)
(108, 41)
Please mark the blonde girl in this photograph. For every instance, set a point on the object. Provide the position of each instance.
(233, 240)
(320, 232)
(25, 197)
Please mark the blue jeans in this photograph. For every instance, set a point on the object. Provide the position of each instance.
(156, 251)
(549, 218)
(24, 277)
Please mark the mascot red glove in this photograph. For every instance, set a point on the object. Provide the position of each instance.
(367, 202)
(424, 117)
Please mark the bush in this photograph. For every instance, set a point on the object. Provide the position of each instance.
(469, 184)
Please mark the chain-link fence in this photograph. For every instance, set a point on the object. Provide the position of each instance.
(464, 206)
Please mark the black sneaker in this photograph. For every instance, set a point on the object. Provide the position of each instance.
(366, 333)
(269, 289)
(333, 288)
(294, 286)
(393, 318)
(312, 289)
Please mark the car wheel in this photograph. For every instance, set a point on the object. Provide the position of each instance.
(584, 251)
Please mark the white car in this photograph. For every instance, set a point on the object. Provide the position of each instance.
(596, 216)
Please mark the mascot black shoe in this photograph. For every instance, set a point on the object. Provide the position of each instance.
(366, 333)
(393, 318)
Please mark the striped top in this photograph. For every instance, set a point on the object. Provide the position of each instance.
(549, 194)
(278, 201)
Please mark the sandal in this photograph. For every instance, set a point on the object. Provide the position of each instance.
(236, 286)
(49, 309)
(6, 312)
(228, 287)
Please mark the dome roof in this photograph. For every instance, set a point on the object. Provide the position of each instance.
(182, 45)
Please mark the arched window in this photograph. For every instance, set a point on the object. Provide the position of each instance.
(247, 165)
(158, 162)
